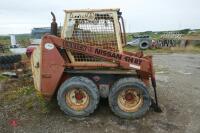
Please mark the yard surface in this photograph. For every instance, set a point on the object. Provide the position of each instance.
(23, 110)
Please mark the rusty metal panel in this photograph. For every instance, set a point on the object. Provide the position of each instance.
(52, 68)
(47, 67)
(93, 10)
(35, 65)
(119, 72)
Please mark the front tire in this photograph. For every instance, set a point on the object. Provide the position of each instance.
(78, 97)
(129, 98)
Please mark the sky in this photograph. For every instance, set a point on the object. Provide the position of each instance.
(20, 16)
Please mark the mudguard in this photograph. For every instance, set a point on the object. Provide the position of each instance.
(47, 67)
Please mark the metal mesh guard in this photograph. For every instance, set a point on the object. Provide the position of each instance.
(96, 30)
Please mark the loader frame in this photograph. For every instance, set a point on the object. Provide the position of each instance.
(54, 60)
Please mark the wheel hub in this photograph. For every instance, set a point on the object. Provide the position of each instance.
(79, 95)
(130, 100)
(129, 97)
(77, 99)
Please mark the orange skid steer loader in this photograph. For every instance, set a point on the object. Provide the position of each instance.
(87, 62)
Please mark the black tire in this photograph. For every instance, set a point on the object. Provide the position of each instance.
(122, 85)
(10, 59)
(85, 84)
(144, 45)
(6, 66)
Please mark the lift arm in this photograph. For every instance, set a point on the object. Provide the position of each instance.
(124, 60)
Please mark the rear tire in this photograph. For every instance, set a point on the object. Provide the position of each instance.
(10, 59)
(129, 98)
(6, 66)
(78, 97)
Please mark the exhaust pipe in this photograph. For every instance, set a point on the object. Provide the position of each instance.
(54, 27)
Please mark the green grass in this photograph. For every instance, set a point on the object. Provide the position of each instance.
(22, 39)
(25, 98)
(3, 77)
(5, 40)
(19, 95)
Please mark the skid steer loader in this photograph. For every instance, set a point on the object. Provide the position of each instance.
(87, 62)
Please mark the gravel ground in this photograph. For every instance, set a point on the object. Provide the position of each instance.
(178, 79)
